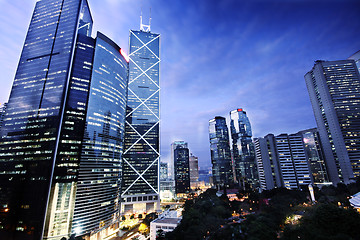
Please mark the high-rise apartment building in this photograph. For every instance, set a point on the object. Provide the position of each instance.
(334, 90)
(62, 134)
(243, 148)
(282, 161)
(182, 169)
(220, 152)
(140, 186)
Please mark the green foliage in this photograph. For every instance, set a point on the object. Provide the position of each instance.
(149, 218)
(325, 221)
(266, 223)
(201, 216)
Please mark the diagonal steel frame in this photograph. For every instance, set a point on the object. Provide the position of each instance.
(143, 72)
(145, 45)
(142, 137)
(141, 175)
(143, 103)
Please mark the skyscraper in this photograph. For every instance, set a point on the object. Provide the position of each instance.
(173, 146)
(194, 168)
(140, 187)
(334, 90)
(182, 169)
(97, 204)
(267, 162)
(315, 155)
(164, 173)
(282, 161)
(356, 57)
(220, 152)
(2, 113)
(61, 140)
(243, 148)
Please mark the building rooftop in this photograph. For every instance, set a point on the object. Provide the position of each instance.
(168, 220)
(355, 200)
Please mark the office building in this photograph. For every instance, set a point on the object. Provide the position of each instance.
(220, 152)
(173, 146)
(167, 190)
(182, 169)
(267, 162)
(243, 148)
(164, 173)
(282, 162)
(334, 90)
(140, 183)
(62, 134)
(99, 176)
(194, 168)
(356, 57)
(166, 222)
(315, 156)
(2, 113)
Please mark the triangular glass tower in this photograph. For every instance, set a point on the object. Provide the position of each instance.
(140, 187)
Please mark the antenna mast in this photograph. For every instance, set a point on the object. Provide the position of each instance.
(143, 27)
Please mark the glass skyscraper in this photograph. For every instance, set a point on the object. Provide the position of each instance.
(220, 152)
(334, 90)
(182, 169)
(315, 155)
(140, 187)
(243, 148)
(62, 134)
(2, 113)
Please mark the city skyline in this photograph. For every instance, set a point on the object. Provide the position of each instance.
(260, 49)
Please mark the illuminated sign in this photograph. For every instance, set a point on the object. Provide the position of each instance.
(239, 109)
(124, 55)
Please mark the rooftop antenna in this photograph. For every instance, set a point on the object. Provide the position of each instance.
(143, 27)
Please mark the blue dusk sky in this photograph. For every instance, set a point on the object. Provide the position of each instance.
(217, 56)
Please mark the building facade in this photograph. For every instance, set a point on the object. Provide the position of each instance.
(267, 161)
(194, 169)
(315, 155)
(2, 113)
(334, 90)
(356, 57)
(182, 169)
(62, 134)
(140, 186)
(220, 152)
(164, 173)
(173, 146)
(282, 162)
(243, 148)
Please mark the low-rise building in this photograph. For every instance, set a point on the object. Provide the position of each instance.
(168, 222)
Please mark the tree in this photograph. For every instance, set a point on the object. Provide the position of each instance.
(326, 221)
(160, 234)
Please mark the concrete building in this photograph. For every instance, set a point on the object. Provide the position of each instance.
(167, 223)
(194, 170)
(282, 162)
(334, 90)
